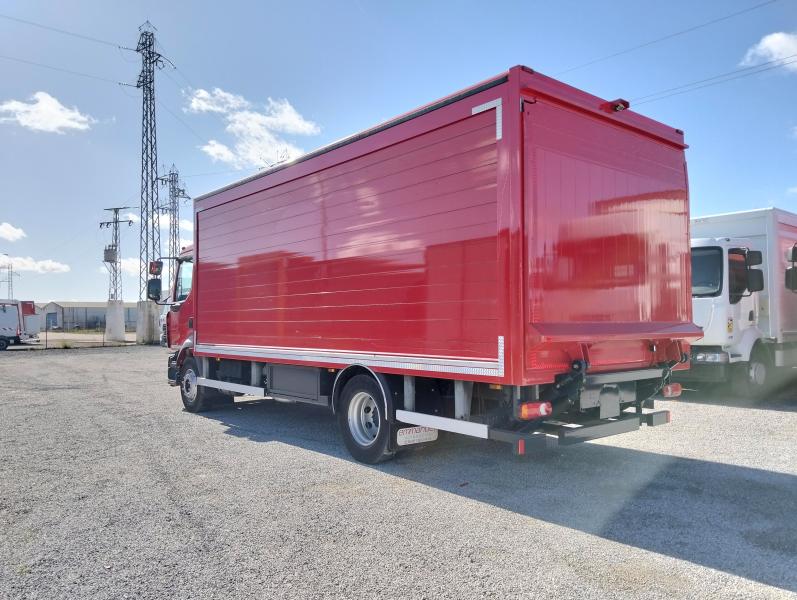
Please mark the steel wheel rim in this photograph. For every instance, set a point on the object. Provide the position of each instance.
(364, 419)
(758, 373)
(189, 384)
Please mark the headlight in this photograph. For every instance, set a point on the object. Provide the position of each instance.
(710, 357)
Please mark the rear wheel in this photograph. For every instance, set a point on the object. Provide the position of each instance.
(361, 418)
(3, 344)
(197, 398)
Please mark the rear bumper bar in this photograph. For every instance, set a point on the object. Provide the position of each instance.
(551, 435)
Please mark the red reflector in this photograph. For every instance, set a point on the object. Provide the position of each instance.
(534, 410)
(521, 447)
(671, 390)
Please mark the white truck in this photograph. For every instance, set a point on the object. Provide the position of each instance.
(748, 316)
(18, 322)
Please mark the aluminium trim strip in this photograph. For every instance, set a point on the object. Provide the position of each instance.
(478, 430)
(464, 366)
(231, 387)
(499, 115)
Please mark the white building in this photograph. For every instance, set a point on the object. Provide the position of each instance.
(82, 315)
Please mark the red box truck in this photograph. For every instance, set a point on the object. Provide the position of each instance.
(510, 262)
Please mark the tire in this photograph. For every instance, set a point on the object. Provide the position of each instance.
(361, 418)
(196, 398)
(757, 378)
(3, 344)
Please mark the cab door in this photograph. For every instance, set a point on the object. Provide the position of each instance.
(743, 311)
(180, 320)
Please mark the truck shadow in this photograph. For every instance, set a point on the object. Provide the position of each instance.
(734, 519)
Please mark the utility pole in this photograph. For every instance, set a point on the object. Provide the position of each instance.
(150, 222)
(10, 274)
(112, 256)
(147, 329)
(172, 209)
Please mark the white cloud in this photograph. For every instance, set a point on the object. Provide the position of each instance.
(165, 220)
(281, 116)
(184, 242)
(10, 233)
(775, 46)
(216, 100)
(257, 132)
(256, 143)
(792, 190)
(26, 263)
(130, 266)
(218, 151)
(44, 113)
(132, 217)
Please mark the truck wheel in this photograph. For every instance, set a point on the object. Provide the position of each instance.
(196, 398)
(361, 418)
(757, 377)
(3, 344)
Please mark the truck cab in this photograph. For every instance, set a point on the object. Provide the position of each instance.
(726, 306)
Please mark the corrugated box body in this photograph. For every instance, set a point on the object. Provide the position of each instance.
(495, 235)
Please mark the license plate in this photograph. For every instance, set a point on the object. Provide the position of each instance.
(415, 435)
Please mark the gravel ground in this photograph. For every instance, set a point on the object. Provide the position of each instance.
(109, 490)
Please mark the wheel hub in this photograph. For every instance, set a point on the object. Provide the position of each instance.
(364, 419)
(758, 373)
(188, 384)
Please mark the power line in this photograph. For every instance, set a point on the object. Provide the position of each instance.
(666, 37)
(689, 87)
(81, 36)
(755, 68)
(176, 68)
(105, 79)
(62, 70)
(177, 118)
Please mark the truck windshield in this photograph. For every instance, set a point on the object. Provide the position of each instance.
(706, 272)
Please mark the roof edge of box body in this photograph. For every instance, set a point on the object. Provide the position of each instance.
(457, 96)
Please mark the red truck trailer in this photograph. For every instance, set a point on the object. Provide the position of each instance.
(510, 262)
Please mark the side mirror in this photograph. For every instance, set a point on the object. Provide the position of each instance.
(755, 280)
(791, 254)
(155, 268)
(753, 258)
(791, 279)
(154, 289)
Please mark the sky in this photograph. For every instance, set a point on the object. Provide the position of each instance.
(256, 82)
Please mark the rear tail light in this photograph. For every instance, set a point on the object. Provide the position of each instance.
(671, 390)
(535, 410)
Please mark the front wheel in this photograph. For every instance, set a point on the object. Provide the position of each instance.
(756, 378)
(3, 344)
(362, 420)
(196, 398)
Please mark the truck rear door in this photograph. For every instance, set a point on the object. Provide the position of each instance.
(607, 216)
